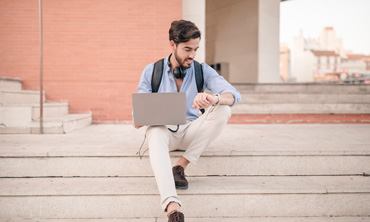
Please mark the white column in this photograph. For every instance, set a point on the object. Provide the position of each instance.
(195, 11)
(245, 35)
(268, 41)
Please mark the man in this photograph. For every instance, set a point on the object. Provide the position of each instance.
(199, 131)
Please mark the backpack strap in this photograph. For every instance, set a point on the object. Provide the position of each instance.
(199, 76)
(157, 75)
(199, 79)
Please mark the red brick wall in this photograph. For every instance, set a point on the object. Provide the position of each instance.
(94, 50)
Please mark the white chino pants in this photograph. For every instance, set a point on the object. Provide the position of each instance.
(193, 137)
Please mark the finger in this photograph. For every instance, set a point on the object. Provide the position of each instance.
(211, 99)
(203, 100)
(195, 103)
(200, 103)
(197, 100)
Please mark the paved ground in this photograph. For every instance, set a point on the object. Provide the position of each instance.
(244, 219)
(124, 140)
(276, 219)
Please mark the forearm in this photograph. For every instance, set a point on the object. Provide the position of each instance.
(204, 100)
(227, 99)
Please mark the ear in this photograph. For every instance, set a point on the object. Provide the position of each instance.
(173, 45)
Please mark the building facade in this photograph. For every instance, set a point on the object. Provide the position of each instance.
(322, 59)
(94, 51)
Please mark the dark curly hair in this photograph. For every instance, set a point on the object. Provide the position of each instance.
(183, 31)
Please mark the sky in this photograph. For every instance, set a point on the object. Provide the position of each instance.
(349, 18)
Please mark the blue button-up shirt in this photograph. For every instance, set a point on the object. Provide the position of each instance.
(212, 81)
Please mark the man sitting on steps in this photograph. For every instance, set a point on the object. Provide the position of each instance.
(199, 131)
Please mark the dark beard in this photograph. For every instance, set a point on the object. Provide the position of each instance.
(181, 62)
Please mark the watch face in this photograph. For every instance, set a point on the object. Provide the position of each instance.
(218, 98)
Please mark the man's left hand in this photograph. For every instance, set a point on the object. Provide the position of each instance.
(204, 100)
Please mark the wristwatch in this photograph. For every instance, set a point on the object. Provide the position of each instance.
(218, 101)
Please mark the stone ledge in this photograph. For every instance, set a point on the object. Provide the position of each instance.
(301, 108)
(236, 139)
(211, 219)
(299, 118)
(227, 185)
(11, 79)
(206, 197)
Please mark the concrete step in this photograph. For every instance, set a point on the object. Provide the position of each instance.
(15, 116)
(94, 198)
(120, 166)
(50, 109)
(20, 112)
(20, 97)
(304, 88)
(10, 84)
(258, 98)
(260, 150)
(52, 164)
(21, 115)
(276, 219)
(65, 124)
(301, 108)
(211, 219)
(299, 119)
(52, 125)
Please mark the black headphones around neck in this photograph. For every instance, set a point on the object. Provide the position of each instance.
(178, 72)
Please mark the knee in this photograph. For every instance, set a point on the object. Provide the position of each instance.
(224, 111)
(158, 137)
(221, 114)
(156, 132)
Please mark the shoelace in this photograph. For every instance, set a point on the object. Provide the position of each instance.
(180, 171)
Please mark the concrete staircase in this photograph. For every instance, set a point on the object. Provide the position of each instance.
(302, 103)
(20, 112)
(257, 173)
(303, 99)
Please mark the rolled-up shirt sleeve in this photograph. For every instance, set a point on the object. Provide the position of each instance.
(217, 84)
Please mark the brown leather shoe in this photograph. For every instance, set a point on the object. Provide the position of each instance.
(179, 175)
(176, 217)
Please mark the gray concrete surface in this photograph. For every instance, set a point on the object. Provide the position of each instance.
(238, 185)
(249, 139)
(216, 219)
(111, 150)
(236, 197)
(206, 197)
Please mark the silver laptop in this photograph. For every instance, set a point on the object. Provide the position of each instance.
(159, 108)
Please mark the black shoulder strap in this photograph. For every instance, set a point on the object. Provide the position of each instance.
(199, 79)
(157, 75)
(199, 76)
